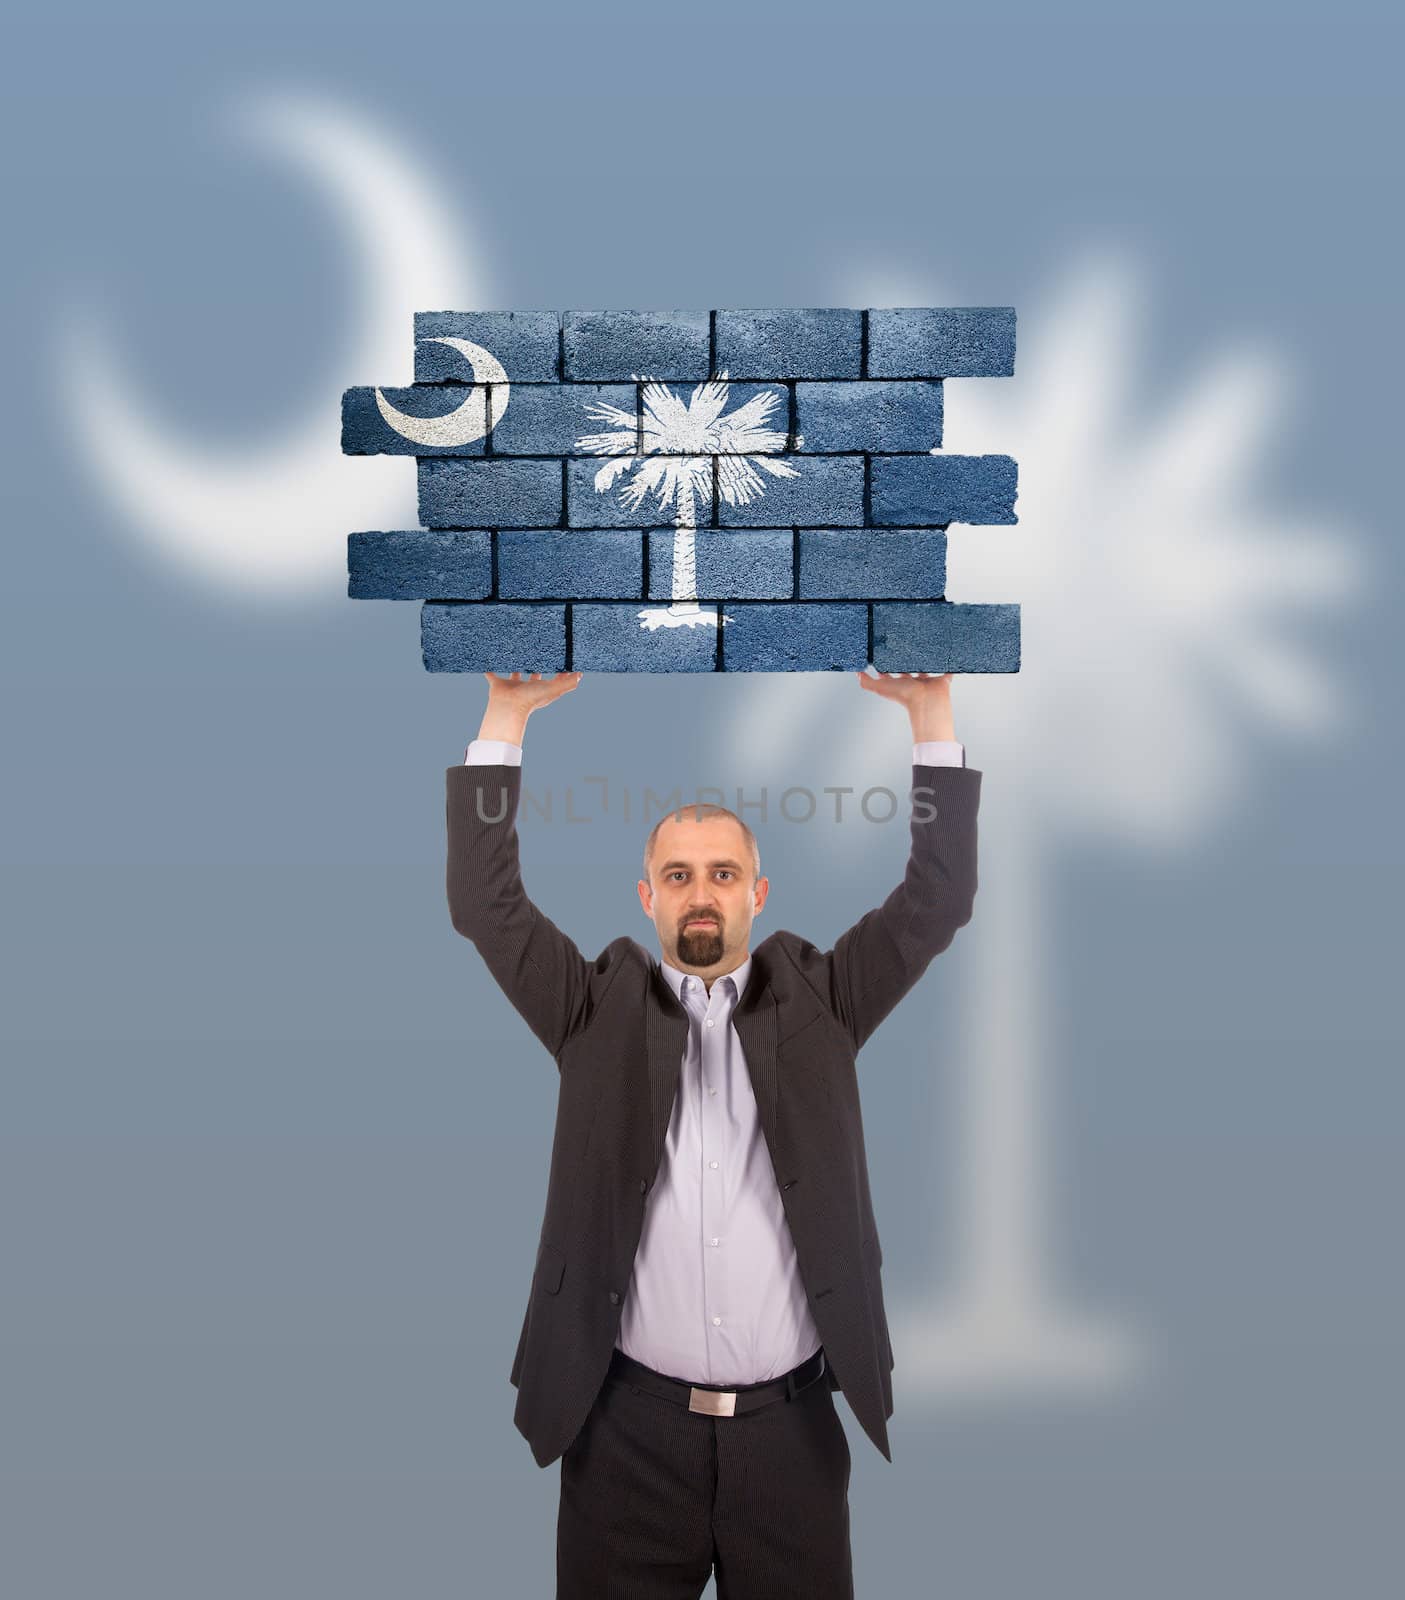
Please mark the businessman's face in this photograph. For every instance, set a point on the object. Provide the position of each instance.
(701, 893)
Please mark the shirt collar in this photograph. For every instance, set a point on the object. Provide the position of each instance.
(738, 976)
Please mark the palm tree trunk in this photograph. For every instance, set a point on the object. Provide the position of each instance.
(685, 582)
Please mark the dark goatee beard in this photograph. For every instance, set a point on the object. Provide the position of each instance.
(700, 947)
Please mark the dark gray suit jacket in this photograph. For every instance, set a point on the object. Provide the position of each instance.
(618, 1033)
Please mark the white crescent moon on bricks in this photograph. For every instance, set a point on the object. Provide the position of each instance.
(271, 519)
(465, 422)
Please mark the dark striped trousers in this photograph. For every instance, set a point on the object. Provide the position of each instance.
(654, 1497)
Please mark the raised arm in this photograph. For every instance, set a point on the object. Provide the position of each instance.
(536, 965)
(877, 961)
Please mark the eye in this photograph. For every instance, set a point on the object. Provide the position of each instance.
(726, 872)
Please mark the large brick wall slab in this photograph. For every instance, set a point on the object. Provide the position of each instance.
(689, 491)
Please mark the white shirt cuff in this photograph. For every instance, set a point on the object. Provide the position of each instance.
(939, 753)
(501, 752)
(493, 752)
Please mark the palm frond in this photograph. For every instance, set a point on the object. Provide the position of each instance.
(648, 473)
(608, 444)
(663, 411)
(609, 472)
(737, 481)
(603, 411)
(753, 414)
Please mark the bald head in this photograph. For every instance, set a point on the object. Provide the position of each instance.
(690, 816)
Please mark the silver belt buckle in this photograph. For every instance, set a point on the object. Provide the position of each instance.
(713, 1402)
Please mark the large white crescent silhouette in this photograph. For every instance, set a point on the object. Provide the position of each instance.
(273, 518)
(465, 422)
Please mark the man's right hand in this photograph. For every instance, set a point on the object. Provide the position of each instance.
(511, 700)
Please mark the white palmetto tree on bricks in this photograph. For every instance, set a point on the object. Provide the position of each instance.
(671, 451)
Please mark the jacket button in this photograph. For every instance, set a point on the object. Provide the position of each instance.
(643, 1186)
(614, 1297)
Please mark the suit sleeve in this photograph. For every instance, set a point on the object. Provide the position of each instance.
(875, 962)
(536, 965)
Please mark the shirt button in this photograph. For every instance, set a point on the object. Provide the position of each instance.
(717, 1322)
(714, 1241)
(710, 1022)
(712, 1163)
(712, 1091)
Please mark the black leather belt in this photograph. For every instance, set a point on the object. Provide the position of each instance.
(711, 1399)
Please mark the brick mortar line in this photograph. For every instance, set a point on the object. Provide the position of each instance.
(741, 377)
(673, 455)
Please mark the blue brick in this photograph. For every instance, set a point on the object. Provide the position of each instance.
(420, 566)
(797, 637)
(546, 420)
(547, 564)
(868, 416)
(942, 342)
(589, 507)
(872, 564)
(940, 637)
(527, 343)
(614, 638)
(612, 346)
(922, 491)
(487, 636)
(365, 432)
(743, 564)
(827, 493)
(826, 343)
(489, 494)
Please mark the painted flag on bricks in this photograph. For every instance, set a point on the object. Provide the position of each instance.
(688, 491)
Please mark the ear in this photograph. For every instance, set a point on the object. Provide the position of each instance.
(646, 898)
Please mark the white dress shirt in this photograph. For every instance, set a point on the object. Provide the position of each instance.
(715, 1295)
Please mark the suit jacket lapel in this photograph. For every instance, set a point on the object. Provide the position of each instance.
(666, 1035)
(755, 1022)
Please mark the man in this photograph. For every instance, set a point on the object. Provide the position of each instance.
(708, 1270)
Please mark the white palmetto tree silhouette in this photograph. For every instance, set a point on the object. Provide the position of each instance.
(1154, 594)
(671, 453)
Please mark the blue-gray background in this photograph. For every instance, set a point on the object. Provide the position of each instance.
(274, 1148)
